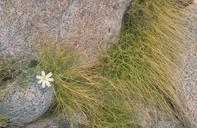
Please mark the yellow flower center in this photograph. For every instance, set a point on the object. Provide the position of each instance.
(45, 78)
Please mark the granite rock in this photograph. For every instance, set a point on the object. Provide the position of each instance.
(24, 23)
(150, 117)
(26, 104)
(88, 24)
(91, 24)
(188, 66)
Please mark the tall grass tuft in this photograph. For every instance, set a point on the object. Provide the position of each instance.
(144, 60)
(140, 67)
(81, 89)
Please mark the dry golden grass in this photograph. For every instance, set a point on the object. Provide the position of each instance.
(144, 60)
(138, 68)
(79, 87)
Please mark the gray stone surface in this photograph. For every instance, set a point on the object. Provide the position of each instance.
(57, 121)
(52, 122)
(189, 63)
(89, 24)
(150, 117)
(26, 104)
(24, 22)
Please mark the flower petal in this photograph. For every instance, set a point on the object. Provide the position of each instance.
(43, 74)
(48, 84)
(39, 77)
(43, 84)
(49, 75)
(40, 81)
(50, 79)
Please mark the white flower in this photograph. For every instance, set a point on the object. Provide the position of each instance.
(44, 79)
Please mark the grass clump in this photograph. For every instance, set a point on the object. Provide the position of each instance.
(71, 83)
(144, 59)
(138, 68)
(80, 88)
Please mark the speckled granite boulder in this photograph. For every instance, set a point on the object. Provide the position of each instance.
(188, 73)
(26, 104)
(23, 23)
(89, 24)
